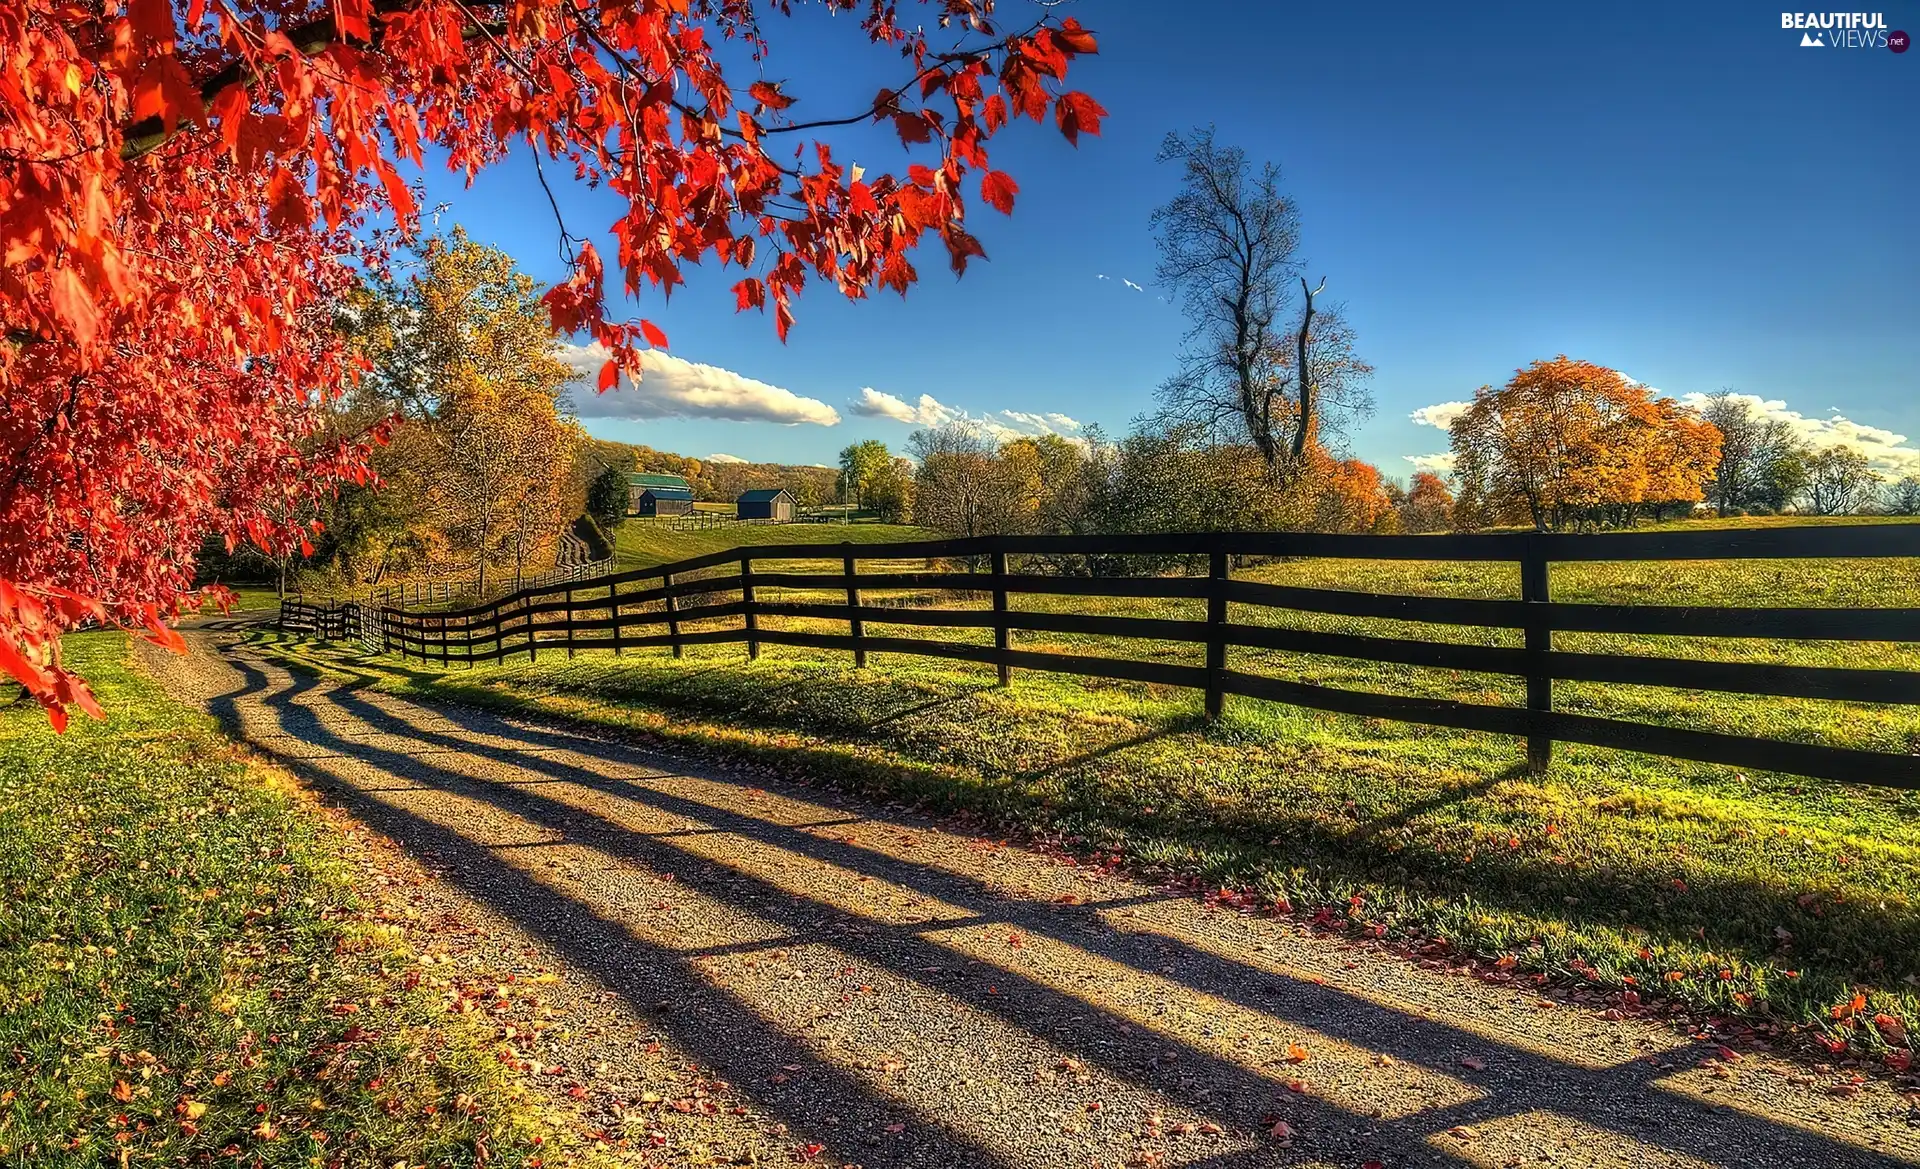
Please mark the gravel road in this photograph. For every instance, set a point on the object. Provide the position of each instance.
(752, 971)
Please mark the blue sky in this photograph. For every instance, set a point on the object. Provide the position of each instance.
(1679, 191)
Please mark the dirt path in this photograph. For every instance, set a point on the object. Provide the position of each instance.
(755, 972)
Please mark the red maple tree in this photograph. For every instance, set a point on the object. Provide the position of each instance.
(188, 186)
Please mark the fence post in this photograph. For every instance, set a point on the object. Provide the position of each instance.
(613, 611)
(856, 627)
(1539, 643)
(443, 638)
(1217, 633)
(533, 639)
(746, 598)
(569, 595)
(1000, 632)
(499, 633)
(673, 607)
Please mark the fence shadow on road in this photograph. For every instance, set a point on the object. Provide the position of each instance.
(367, 740)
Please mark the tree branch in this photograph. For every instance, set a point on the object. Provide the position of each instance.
(310, 39)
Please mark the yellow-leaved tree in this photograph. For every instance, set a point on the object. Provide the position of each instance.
(480, 464)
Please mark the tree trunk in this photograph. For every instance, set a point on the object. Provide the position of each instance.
(1303, 373)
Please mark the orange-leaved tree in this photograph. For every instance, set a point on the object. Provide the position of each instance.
(1350, 495)
(187, 187)
(1428, 506)
(1569, 441)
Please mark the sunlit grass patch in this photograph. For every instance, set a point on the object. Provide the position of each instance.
(187, 975)
(643, 543)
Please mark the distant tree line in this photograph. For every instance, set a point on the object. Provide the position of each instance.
(1173, 478)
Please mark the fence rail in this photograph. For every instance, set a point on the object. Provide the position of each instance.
(603, 613)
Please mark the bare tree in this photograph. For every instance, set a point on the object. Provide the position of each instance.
(1903, 497)
(954, 487)
(970, 485)
(1228, 244)
(1840, 481)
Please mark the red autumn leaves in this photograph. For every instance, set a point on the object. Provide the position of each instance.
(190, 187)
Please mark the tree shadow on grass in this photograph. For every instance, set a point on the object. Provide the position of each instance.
(1866, 940)
(1175, 726)
(1623, 1099)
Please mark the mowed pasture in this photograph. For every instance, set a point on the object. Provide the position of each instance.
(1744, 891)
(644, 543)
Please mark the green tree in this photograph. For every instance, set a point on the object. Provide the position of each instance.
(862, 464)
(607, 497)
(1761, 458)
(1787, 475)
(891, 494)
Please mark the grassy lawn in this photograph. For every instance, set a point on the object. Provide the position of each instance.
(1743, 892)
(187, 977)
(643, 543)
(248, 599)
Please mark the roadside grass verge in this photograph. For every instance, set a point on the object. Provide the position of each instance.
(1754, 894)
(187, 975)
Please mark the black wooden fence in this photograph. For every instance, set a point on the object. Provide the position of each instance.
(605, 613)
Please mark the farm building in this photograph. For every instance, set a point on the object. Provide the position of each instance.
(651, 494)
(773, 503)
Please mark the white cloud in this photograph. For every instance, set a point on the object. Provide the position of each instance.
(723, 457)
(1887, 451)
(1048, 423)
(672, 387)
(1002, 425)
(1135, 287)
(926, 412)
(1440, 414)
(1440, 464)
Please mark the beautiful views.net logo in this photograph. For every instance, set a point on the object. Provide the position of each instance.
(1844, 30)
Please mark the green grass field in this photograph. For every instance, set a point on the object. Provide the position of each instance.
(186, 975)
(1752, 893)
(644, 543)
(248, 599)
